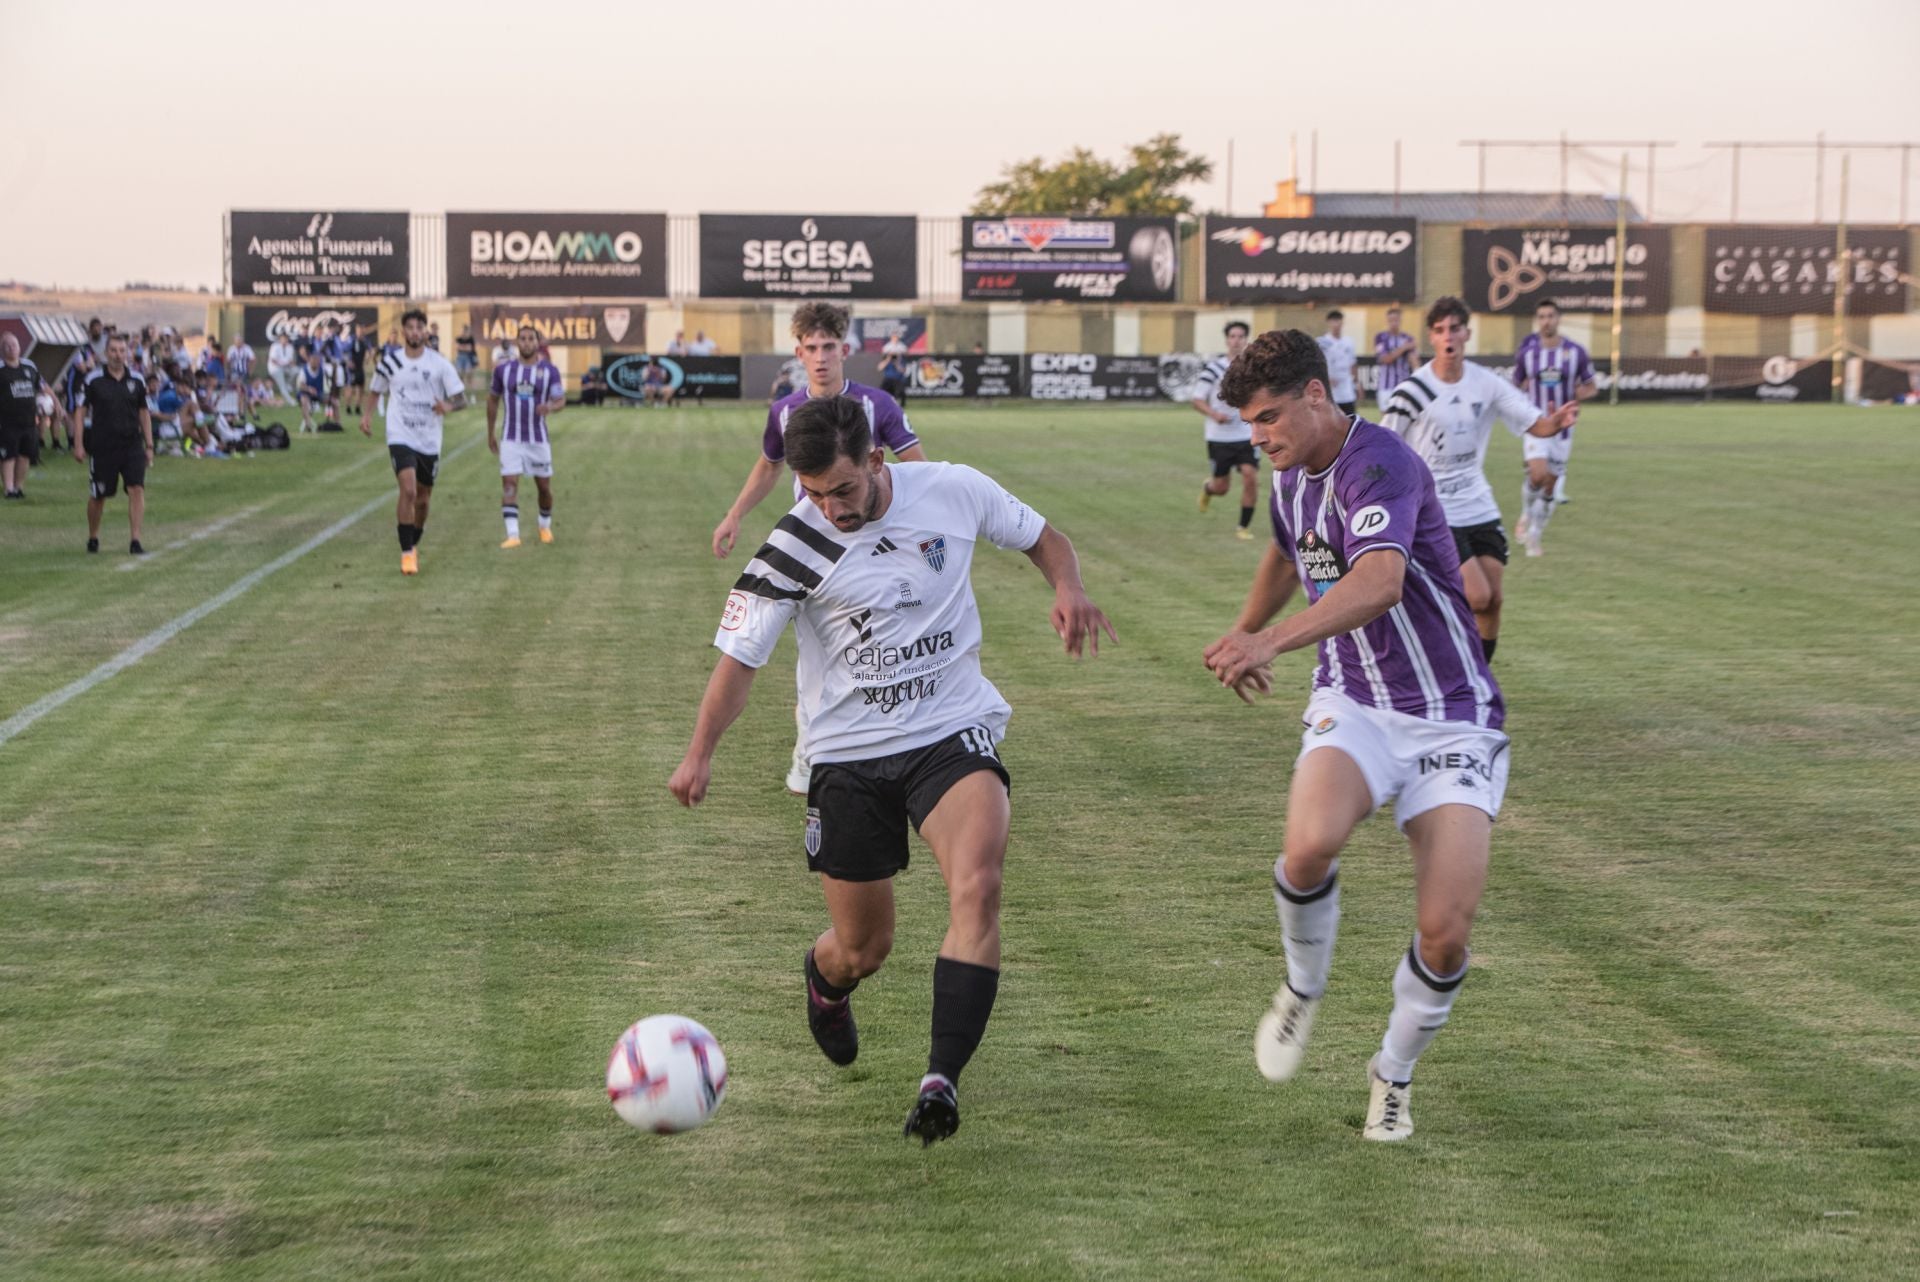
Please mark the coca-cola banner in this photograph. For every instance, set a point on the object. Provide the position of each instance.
(260, 326)
(1506, 270)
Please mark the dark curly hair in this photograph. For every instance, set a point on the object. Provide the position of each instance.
(1281, 361)
(819, 318)
(825, 429)
(1448, 306)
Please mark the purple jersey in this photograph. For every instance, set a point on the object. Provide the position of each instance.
(884, 417)
(1423, 656)
(527, 388)
(1551, 375)
(1391, 373)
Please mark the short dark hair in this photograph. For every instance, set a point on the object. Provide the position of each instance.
(413, 313)
(1546, 302)
(1394, 310)
(1242, 326)
(819, 318)
(1280, 361)
(825, 429)
(526, 329)
(1448, 306)
(1336, 314)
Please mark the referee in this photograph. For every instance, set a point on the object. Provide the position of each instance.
(113, 436)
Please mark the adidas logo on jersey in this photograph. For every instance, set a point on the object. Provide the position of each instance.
(884, 546)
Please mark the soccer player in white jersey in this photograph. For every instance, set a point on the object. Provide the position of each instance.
(1229, 439)
(1403, 708)
(1446, 411)
(417, 388)
(1342, 360)
(1552, 370)
(820, 345)
(874, 569)
(533, 391)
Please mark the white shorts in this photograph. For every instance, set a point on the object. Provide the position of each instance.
(1551, 448)
(1415, 763)
(526, 458)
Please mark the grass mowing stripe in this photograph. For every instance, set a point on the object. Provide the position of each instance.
(146, 645)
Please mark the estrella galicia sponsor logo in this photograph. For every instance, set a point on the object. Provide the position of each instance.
(813, 831)
(1318, 561)
(934, 552)
(888, 698)
(1466, 762)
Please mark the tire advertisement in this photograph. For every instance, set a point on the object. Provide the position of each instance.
(556, 256)
(1033, 258)
(794, 256)
(306, 254)
(1302, 260)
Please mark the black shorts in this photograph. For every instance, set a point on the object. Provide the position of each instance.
(1485, 539)
(425, 466)
(116, 465)
(18, 442)
(1227, 455)
(857, 811)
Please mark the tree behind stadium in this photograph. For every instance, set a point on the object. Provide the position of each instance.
(1147, 183)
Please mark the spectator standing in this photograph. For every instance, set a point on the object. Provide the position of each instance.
(113, 435)
(678, 347)
(21, 389)
(283, 367)
(358, 349)
(893, 372)
(466, 355)
(240, 373)
(97, 339)
(702, 345)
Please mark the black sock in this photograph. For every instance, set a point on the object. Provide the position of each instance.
(1486, 647)
(1246, 517)
(821, 987)
(963, 996)
(406, 537)
(419, 532)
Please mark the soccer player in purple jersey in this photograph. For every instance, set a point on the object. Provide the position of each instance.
(820, 345)
(1403, 709)
(533, 391)
(1393, 352)
(1553, 370)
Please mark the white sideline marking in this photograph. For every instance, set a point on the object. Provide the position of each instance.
(196, 536)
(166, 632)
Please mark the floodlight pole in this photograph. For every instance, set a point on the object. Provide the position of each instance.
(1841, 285)
(1619, 277)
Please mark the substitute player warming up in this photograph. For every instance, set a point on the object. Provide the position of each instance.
(532, 388)
(1403, 706)
(873, 566)
(418, 388)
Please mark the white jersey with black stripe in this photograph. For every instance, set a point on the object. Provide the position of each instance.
(1234, 430)
(889, 633)
(1448, 426)
(412, 386)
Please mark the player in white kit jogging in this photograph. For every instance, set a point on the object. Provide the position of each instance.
(417, 388)
(873, 568)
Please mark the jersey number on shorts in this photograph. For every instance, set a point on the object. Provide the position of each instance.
(977, 741)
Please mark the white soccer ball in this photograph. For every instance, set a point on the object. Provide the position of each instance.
(667, 1074)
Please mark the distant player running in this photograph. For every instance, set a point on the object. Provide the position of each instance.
(1229, 439)
(1403, 706)
(820, 345)
(874, 568)
(1552, 370)
(532, 388)
(1446, 410)
(417, 388)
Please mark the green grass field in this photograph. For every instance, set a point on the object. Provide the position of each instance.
(317, 924)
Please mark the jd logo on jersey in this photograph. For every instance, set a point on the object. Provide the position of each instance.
(1368, 521)
(934, 550)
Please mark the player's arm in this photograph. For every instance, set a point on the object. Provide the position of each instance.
(493, 416)
(1368, 590)
(59, 410)
(378, 385)
(1077, 621)
(146, 429)
(720, 707)
(1207, 410)
(1273, 584)
(759, 484)
(78, 430)
(1524, 418)
(912, 454)
(1589, 386)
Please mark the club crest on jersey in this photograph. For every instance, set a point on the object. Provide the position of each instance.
(813, 832)
(934, 552)
(1324, 724)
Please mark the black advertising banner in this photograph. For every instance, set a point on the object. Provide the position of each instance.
(1082, 376)
(259, 326)
(713, 378)
(1785, 271)
(1506, 270)
(557, 256)
(809, 256)
(283, 254)
(1780, 379)
(1037, 258)
(951, 377)
(1298, 260)
(873, 333)
(580, 325)
(1653, 378)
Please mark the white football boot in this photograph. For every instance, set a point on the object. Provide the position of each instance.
(1388, 1118)
(1281, 1040)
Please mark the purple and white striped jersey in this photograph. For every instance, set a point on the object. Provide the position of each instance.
(1423, 656)
(884, 417)
(1391, 373)
(527, 388)
(1551, 375)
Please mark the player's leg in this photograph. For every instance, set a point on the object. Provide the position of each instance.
(1216, 484)
(136, 515)
(1491, 572)
(422, 500)
(856, 841)
(967, 831)
(406, 478)
(509, 496)
(543, 490)
(1329, 796)
(1249, 497)
(1539, 491)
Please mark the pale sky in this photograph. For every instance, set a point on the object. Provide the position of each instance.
(129, 137)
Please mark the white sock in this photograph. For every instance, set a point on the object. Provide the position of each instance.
(1542, 511)
(1309, 920)
(512, 515)
(1560, 488)
(546, 518)
(1421, 1003)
